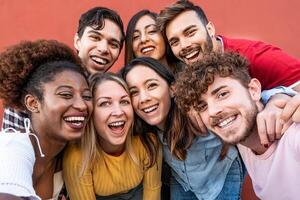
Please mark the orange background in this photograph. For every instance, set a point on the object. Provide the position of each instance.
(273, 21)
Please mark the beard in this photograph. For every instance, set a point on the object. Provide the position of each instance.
(238, 135)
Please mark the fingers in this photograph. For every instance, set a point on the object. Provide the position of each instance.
(262, 130)
(278, 128)
(270, 123)
(292, 109)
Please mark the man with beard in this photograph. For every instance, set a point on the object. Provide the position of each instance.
(228, 101)
(98, 41)
(190, 35)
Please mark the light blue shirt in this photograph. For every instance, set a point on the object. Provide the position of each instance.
(202, 172)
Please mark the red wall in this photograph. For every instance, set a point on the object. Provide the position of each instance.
(273, 21)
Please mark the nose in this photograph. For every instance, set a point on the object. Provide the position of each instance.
(102, 46)
(117, 110)
(80, 104)
(214, 109)
(185, 43)
(144, 97)
(144, 37)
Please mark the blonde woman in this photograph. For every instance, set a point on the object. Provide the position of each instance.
(111, 163)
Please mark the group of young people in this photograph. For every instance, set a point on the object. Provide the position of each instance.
(71, 129)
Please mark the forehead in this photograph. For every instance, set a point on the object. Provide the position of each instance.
(110, 30)
(182, 21)
(111, 89)
(228, 82)
(140, 74)
(144, 21)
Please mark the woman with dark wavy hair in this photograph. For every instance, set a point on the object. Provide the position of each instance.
(199, 168)
(46, 79)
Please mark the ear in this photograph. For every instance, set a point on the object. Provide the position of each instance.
(254, 88)
(211, 29)
(77, 42)
(32, 103)
(172, 90)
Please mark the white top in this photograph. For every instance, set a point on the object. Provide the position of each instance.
(17, 159)
(276, 173)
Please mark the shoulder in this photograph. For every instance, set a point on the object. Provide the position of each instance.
(72, 154)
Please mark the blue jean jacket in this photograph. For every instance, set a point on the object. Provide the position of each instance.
(202, 172)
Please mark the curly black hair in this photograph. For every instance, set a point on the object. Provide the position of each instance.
(24, 68)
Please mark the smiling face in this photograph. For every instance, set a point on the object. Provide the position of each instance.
(229, 109)
(113, 114)
(147, 40)
(99, 49)
(188, 37)
(150, 94)
(66, 107)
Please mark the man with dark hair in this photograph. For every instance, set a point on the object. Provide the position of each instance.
(228, 101)
(190, 35)
(98, 41)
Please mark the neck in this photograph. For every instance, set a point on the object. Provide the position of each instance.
(113, 150)
(253, 140)
(253, 143)
(49, 146)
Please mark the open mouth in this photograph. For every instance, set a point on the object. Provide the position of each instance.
(75, 122)
(150, 108)
(117, 126)
(99, 60)
(226, 122)
(147, 50)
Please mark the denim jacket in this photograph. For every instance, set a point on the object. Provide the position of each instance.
(202, 172)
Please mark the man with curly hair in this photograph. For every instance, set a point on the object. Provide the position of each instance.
(98, 41)
(228, 101)
(190, 35)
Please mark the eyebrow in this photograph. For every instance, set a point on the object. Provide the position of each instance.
(64, 86)
(108, 98)
(99, 34)
(218, 89)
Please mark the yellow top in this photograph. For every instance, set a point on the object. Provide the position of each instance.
(111, 175)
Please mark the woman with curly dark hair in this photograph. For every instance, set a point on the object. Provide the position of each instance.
(46, 79)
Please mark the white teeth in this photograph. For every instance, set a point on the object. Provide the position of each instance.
(120, 123)
(226, 121)
(74, 119)
(147, 49)
(100, 60)
(191, 54)
(150, 109)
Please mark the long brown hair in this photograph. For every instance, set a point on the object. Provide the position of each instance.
(178, 134)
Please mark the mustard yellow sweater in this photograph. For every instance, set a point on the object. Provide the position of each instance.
(111, 175)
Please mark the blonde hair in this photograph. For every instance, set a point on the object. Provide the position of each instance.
(90, 146)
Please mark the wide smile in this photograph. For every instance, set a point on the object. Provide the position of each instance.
(75, 122)
(99, 60)
(147, 50)
(117, 127)
(150, 109)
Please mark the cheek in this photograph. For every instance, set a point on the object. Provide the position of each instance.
(135, 48)
(135, 102)
(115, 53)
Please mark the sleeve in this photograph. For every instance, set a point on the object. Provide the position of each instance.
(79, 186)
(267, 94)
(14, 119)
(152, 178)
(271, 66)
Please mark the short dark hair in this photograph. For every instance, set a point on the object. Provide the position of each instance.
(95, 18)
(129, 55)
(194, 80)
(26, 66)
(169, 13)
